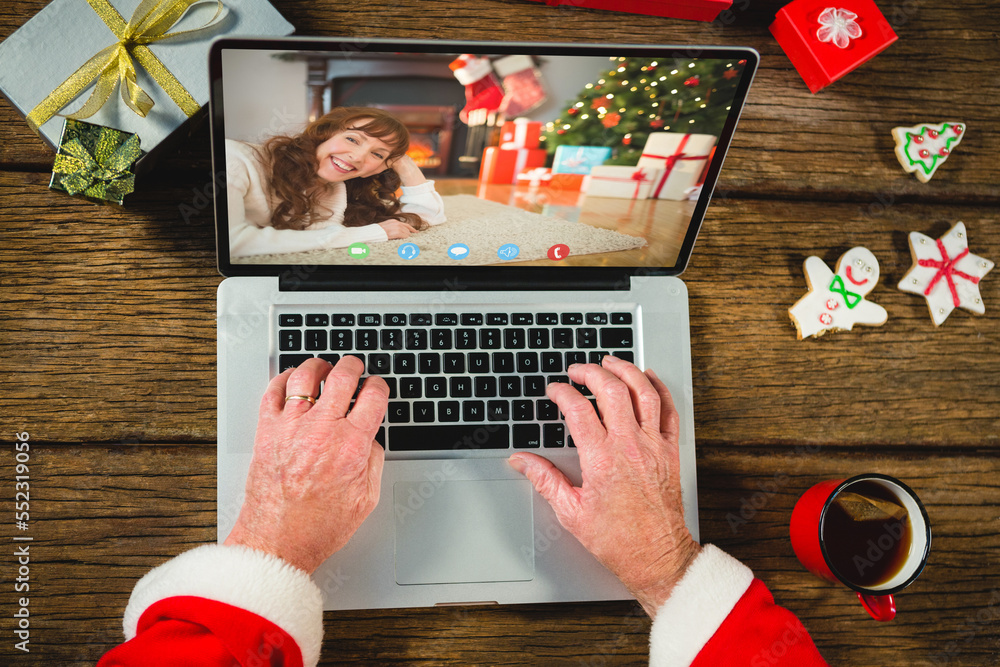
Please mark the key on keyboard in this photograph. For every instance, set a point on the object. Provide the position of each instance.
(463, 380)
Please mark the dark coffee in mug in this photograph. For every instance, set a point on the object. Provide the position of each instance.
(866, 533)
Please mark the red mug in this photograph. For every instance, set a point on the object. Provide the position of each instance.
(874, 557)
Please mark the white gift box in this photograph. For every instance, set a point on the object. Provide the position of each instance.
(53, 44)
(621, 182)
(682, 159)
(535, 177)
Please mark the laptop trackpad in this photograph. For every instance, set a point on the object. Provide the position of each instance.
(463, 531)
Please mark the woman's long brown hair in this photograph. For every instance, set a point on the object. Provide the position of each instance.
(298, 190)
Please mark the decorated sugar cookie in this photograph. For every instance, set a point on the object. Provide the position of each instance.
(945, 273)
(836, 301)
(921, 149)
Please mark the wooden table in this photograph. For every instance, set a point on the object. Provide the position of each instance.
(107, 353)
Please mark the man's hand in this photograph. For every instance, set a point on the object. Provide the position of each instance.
(628, 512)
(316, 469)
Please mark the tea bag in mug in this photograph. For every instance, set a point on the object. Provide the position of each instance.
(863, 508)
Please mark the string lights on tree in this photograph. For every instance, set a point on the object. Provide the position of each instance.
(637, 96)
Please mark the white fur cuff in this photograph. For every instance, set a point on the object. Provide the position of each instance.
(248, 579)
(697, 606)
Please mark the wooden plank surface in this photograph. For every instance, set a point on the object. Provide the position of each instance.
(111, 312)
(107, 350)
(833, 145)
(101, 516)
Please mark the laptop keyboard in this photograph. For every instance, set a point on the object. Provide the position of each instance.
(462, 380)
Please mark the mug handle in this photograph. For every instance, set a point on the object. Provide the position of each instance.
(880, 607)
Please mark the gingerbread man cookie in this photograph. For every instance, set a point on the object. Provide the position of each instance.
(921, 149)
(945, 273)
(836, 301)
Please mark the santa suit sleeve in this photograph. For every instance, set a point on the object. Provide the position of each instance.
(222, 605)
(719, 614)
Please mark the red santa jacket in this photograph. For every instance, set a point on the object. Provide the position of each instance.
(218, 605)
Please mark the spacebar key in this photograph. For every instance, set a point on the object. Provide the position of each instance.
(437, 437)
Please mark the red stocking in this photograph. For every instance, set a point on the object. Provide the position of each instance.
(482, 90)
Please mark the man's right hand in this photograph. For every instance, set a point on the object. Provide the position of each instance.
(628, 511)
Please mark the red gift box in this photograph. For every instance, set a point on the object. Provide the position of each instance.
(520, 133)
(543, 176)
(694, 10)
(502, 165)
(826, 40)
(569, 182)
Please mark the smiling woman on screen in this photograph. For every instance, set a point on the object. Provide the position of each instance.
(330, 186)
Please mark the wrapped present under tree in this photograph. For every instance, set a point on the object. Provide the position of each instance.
(621, 182)
(579, 159)
(682, 158)
(634, 97)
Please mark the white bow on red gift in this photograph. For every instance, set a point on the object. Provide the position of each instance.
(838, 26)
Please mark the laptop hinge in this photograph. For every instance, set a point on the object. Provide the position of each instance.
(615, 281)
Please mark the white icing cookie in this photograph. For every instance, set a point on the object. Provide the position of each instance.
(946, 273)
(836, 301)
(921, 149)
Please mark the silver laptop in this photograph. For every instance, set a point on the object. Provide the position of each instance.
(470, 320)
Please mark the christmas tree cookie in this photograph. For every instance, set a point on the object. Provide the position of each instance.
(921, 149)
(945, 273)
(836, 301)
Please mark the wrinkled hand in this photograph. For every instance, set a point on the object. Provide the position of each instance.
(316, 469)
(628, 511)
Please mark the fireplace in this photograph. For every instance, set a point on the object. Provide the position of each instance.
(421, 92)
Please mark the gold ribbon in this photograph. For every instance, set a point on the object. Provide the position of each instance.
(113, 65)
(105, 173)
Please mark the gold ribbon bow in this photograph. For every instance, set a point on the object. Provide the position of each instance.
(105, 174)
(149, 23)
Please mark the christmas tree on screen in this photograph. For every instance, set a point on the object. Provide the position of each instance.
(636, 96)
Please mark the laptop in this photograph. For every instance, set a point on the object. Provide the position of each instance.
(469, 320)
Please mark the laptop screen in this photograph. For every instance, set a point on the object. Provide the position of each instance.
(350, 156)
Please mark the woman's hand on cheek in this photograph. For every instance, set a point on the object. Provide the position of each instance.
(408, 171)
(397, 229)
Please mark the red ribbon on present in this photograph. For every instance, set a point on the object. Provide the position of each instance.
(672, 161)
(639, 176)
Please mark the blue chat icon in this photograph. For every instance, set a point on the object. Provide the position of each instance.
(458, 251)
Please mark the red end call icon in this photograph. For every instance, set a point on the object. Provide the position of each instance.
(559, 251)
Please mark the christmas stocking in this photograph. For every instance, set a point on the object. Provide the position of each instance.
(482, 90)
(522, 83)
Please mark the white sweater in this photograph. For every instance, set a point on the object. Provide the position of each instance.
(250, 209)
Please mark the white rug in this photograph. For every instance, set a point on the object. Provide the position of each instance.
(482, 225)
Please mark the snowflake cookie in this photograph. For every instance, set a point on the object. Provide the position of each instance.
(946, 273)
(836, 301)
(921, 149)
